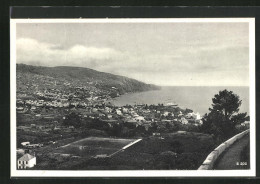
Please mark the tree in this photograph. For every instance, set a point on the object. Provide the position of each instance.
(226, 102)
(223, 117)
(72, 119)
(186, 111)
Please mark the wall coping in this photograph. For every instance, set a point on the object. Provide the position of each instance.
(213, 156)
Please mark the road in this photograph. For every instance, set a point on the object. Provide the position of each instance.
(231, 158)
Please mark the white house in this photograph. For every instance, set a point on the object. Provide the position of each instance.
(180, 114)
(189, 115)
(94, 110)
(196, 116)
(33, 108)
(184, 121)
(246, 123)
(108, 110)
(19, 108)
(125, 110)
(193, 115)
(109, 116)
(118, 112)
(26, 161)
(139, 118)
(156, 134)
(25, 143)
(166, 113)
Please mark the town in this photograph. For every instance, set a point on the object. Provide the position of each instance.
(71, 123)
(51, 112)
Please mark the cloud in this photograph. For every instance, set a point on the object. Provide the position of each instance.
(31, 51)
(190, 64)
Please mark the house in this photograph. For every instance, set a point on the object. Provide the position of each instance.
(193, 115)
(26, 161)
(147, 126)
(156, 134)
(164, 121)
(19, 108)
(109, 116)
(139, 118)
(94, 110)
(25, 143)
(146, 111)
(39, 104)
(118, 112)
(184, 121)
(101, 115)
(199, 122)
(189, 115)
(127, 116)
(108, 110)
(34, 145)
(71, 127)
(20, 151)
(181, 132)
(135, 114)
(196, 116)
(125, 110)
(180, 114)
(166, 113)
(57, 128)
(246, 123)
(33, 108)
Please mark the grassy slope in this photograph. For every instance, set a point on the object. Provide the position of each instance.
(153, 153)
(84, 75)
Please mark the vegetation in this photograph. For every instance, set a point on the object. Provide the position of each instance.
(175, 151)
(72, 119)
(223, 117)
(100, 80)
(63, 105)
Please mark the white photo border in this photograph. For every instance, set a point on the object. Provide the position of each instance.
(132, 173)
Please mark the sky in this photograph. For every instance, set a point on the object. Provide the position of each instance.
(165, 54)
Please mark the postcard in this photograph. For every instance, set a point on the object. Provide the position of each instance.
(132, 97)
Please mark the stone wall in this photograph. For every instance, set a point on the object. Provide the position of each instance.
(213, 156)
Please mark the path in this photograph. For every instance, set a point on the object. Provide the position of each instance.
(231, 158)
(125, 147)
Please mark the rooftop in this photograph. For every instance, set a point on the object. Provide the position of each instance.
(26, 157)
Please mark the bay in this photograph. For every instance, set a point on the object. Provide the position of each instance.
(199, 99)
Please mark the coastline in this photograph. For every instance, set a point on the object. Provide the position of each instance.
(197, 98)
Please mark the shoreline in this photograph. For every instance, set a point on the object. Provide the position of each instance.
(199, 100)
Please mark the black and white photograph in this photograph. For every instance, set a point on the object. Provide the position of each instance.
(133, 97)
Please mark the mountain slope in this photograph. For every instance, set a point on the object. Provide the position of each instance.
(86, 76)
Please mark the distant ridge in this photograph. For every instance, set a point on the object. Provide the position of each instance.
(101, 80)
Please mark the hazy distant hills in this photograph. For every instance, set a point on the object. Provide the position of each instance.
(86, 76)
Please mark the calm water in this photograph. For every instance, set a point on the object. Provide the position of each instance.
(199, 99)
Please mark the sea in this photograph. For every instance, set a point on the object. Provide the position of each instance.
(198, 99)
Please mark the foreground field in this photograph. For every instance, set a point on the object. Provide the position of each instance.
(93, 146)
(175, 151)
(168, 152)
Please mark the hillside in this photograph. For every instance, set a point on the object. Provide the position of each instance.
(83, 77)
